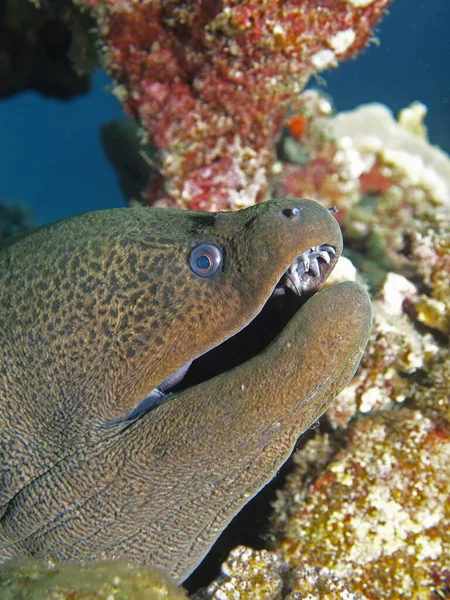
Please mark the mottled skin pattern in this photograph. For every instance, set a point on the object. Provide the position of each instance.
(95, 312)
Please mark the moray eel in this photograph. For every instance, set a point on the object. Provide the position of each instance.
(130, 425)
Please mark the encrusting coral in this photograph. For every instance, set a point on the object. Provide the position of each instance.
(209, 82)
(405, 221)
(376, 519)
(248, 574)
(393, 191)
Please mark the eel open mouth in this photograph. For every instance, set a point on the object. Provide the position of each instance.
(306, 274)
(303, 277)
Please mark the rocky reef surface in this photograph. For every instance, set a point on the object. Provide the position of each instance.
(365, 511)
(363, 515)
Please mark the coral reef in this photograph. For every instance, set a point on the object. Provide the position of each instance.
(310, 162)
(400, 219)
(377, 518)
(209, 82)
(217, 88)
(38, 44)
(369, 519)
(365, 511)
(397, 353)
(34, 580)
(393, 190)
(354, 157)
(248, 574)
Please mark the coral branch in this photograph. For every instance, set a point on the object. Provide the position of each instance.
(209, 81)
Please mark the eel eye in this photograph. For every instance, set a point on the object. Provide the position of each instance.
(205, 259)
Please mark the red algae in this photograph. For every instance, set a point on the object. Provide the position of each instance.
(209, 82)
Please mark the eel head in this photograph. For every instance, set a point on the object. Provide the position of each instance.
(156, 369)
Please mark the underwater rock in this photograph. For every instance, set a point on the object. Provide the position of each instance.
(15, 217)
(393, 190)
(398, 351)
(209, 82)
(44, 47)
(401, 220)
(108, 580)
(432, 391)
(311, 164)
(402, 155)
(134, 161)
(400, 234)
(412, 119)
(358, 160)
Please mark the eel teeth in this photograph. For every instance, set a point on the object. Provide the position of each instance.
(305, 259)
(307, 262)
(328, 248)
(294, 281)
(314, 266)
(325, 256)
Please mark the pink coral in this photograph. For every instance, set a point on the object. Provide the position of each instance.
(209, 81)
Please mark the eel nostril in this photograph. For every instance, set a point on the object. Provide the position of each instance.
(291, 213)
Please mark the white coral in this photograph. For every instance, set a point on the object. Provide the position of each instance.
(372, 130)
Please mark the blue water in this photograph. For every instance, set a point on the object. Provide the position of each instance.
(50, 154)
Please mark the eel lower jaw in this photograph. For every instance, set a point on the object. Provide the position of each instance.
(304, 276)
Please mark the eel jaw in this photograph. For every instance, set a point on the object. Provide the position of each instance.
(307, 273)
(303, 277)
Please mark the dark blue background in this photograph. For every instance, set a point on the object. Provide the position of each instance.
(50, 154)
